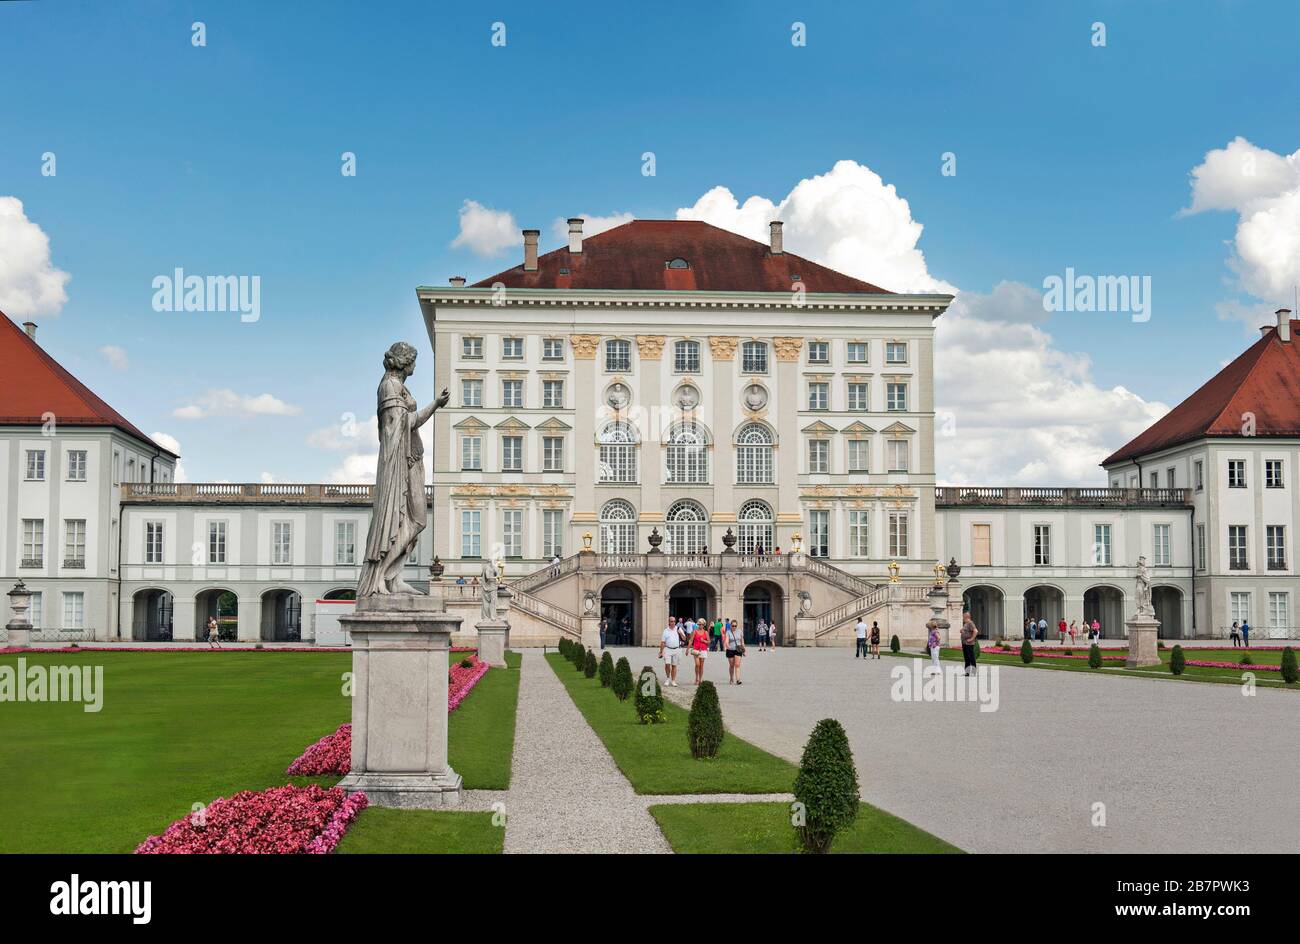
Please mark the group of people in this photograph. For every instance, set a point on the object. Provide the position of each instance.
(1240, 634)
(615, 633)
(698, 638)
(1036, 630)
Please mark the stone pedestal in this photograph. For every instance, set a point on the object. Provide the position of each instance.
(493, 638)
(20, 636)
(1142, 635)
(805, 631)
(590, 626)
(400, 646)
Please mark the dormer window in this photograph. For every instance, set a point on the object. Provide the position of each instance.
(678, 263)
(563, 271)
(796, 278)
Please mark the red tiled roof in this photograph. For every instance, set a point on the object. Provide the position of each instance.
(1263, 381)
(32, 384)
(635, 256)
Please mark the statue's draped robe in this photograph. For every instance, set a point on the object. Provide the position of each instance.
(398, 514)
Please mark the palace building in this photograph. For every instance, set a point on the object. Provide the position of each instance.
(692, 423)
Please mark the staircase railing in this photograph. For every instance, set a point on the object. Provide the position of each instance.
(545, 574)
(853, 608)
(840, 578)
(534, 606)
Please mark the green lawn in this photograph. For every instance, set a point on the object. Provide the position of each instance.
(743, 828)
(656, 758)
(423, 832)
(179, 728)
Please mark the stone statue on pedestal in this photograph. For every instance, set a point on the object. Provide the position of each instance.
(1144, 606)
(489, 587)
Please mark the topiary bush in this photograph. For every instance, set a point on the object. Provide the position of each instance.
(1289, 673)
(563, 647)
(589, 665)
(1247, 660)
(704, 726)
(826, 787)
(1094, 656)
(649, 698)
(1177, 661)
(1026, 652)
(467, 663)
(606, 670)
(579, 659)
(894, 644)
(622, 684)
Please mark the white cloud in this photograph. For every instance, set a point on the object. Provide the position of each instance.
(226, 402)
(30, 285)
(486, 232)
(171, 444)
(115, 356)
(591, 224)
(358, 468)
(348, 434)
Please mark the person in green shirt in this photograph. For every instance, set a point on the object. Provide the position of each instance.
(715, 635)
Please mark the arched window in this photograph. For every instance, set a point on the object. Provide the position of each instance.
(755, 519)
(753, 357)
(686, 357)
(754, 455)
(688, 528)
(678, 263)
(618, 528)
(618, 453)
(688, 455)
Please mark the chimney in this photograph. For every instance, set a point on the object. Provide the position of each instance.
(575, 234)
(457, 281)
(530, 249)
(1284, 324)
(777, 245)
(30, 328)
(1264, 330)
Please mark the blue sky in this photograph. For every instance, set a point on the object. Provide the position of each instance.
(226, 159)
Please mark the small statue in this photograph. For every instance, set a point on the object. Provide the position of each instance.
(1144, 606)
(805, 603)
(488, 587)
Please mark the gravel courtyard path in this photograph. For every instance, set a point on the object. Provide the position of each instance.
(566, 794)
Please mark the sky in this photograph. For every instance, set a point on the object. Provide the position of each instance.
(978, 148)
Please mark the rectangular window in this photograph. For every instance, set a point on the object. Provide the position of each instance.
(859, 533)
(896, 453)
(819, 352)
(74, 610)
(512, 393)
(1198, 475)
(471, 393)
(819, 455)
(1155, 479)
(553, 394)
(552, 453)
(859, 397)
(1169, 478)
(216, 542)
(282, 542)
(1237, 559)
(512, 453)
(753, 357)
(471, 453)
(896, 352)
(471, 348)
(981, 545)
(345, 543)
(896, 397)
(33, 542)
(1279, 613)
(1236, 473)
(618, 356)
(898, 546)
(859, 455)
(1200, 547)
(471, 534)
(1275, 543)
(512, 532)
(153, 542)
(1273, 473)
(1042, 545)
(77, 465)
(1101, 545)
(36, 465)
(1239, 606)
(74, 542)
(819, 396)
(512, 349)
(1160, 546)
(552, 349)
(856, 352)
(819, 533)
(117, 467)
(552, 533)
(36, 611)
(686, 357)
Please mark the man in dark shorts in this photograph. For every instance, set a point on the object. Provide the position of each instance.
(968, 636)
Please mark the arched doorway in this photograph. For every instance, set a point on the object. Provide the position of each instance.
(986, 610)
(219, 604)
(762, 600)
(151, 619)
(1168, 604)
(620, 604)
(281, 616)
(1044, 602)
(1106, 605)
(341, 594)
(691, 599)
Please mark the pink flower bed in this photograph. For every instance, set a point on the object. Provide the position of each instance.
(282, 820)
(1053, 654)
(1234, 665)
(332, 754)
(1057, 654)
(225, 647)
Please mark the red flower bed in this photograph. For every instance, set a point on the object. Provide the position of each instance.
(1053, 654)
(282, 820)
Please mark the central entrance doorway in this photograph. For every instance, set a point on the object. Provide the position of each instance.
(619, 610)
(691, 599)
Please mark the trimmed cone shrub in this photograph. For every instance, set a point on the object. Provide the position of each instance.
(579, 657)
(563, 647)
(1289, 673)
(622, 684)
(704, 726)
(606, 670)
(826, 787)
(649, 698)
(1026, 652)
(1247, 660)
(1094, 656)
(1177, 662)
(894, 644)
(589, 665)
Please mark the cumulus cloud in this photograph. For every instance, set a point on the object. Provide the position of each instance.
(591, 224)
(30, 285)
(226, 402)
(172, 444)
(347, 434)
(484, 231)
(115, 356)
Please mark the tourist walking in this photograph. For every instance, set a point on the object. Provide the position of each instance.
(1073, 629)
(735, 652)
(214, 633)
(968, 636)
(860, 631)
(762, 634)
(875, 639)
(670, 650)
(1096, 629)
(1245, 633)
(1042, 629)
(1062, 627)
(700, 650)
(932, 643)
(1235, 634)
(604, 631)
